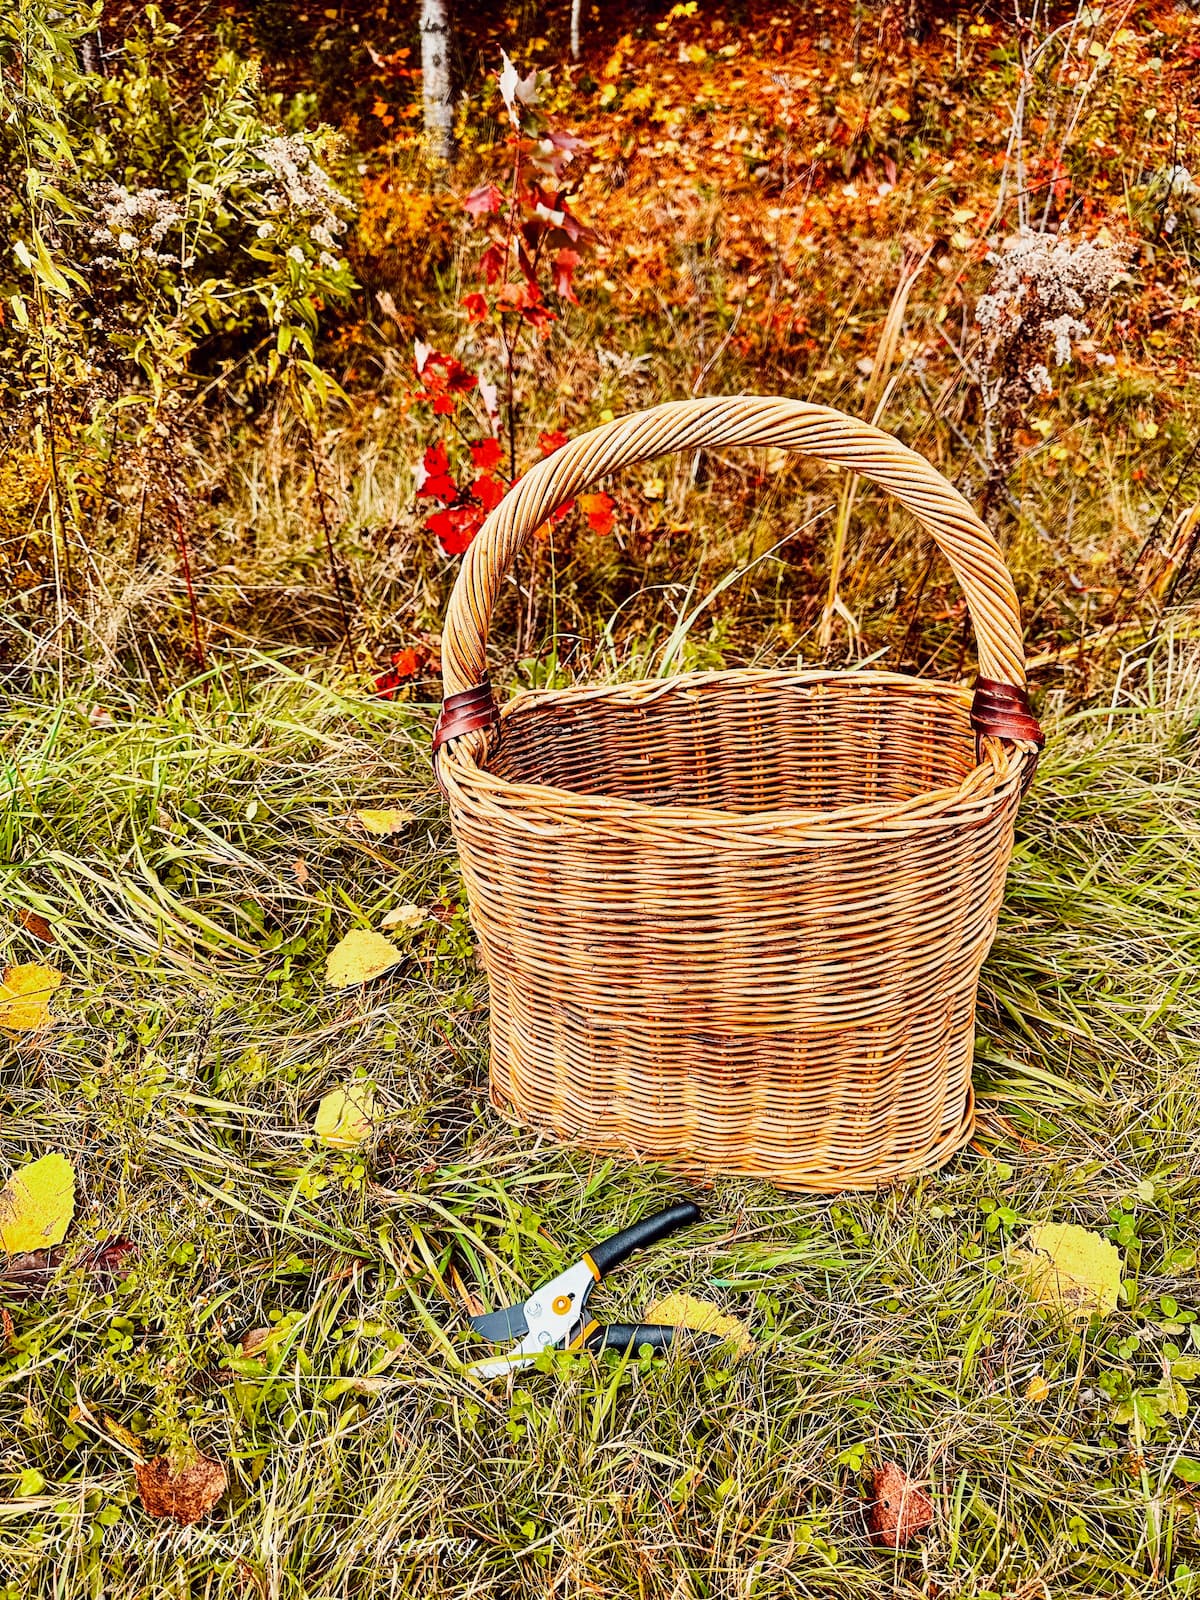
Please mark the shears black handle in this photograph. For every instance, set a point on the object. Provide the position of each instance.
(610, 1253)
(632, 1336)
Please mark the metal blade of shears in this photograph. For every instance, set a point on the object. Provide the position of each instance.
(552, 1316)
(506, 1323)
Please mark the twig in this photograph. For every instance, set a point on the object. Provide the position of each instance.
(187, 578)
(334, 565)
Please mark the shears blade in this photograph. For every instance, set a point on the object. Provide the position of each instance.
(550, 1319)
(506, 1323)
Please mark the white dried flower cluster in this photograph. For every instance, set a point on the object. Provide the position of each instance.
(136, 222)
(1041, 285)
(1038, 378)
(304, 193)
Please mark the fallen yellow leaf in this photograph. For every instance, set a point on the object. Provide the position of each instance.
(1071, 1270)
(1037, 1389)
(406, 916)
(382, 823)
(37, 1204)
(345, 1117)
(685, 1311)
(25, 996)
(359, 957)
(124, 1436)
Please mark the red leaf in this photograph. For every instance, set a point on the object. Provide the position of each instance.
(443, 406)
(110, 1261)
(444, 375)
(408, 662)
(897, 1511)
(599, 509)
(562, 511)
(475, 306)
(483, 200)
(491, 263)
(455, 527)
(538, 316)
(548, 443)
(488, 492)
(487, 454)
(458, 379)
(406, 665)
(565, 263)
(434, 480)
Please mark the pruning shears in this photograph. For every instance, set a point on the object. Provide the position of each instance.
(555, 1316)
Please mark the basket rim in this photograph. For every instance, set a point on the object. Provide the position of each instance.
(470, 783)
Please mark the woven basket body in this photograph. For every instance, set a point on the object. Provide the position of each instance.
(734, 921)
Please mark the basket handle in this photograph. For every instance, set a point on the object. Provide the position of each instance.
(1001, 707)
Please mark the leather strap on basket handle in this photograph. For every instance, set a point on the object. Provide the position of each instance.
(756, 421)
(464, 713)
(1002, 711)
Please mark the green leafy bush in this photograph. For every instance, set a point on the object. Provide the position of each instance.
(165, 245)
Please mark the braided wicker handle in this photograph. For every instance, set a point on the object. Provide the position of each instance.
(1001, 706)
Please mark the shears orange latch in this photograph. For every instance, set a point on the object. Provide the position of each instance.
(555, 1317)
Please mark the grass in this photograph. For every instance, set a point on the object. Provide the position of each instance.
(199, 856)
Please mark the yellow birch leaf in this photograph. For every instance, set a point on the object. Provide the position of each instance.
(1037, 1389)
(405, 916)
(345, 1117)
(359, 957)
(685, 1311)
(381, 823)
(25, 996)
(1071, 1270)
(124, 1436)
(37, 1204)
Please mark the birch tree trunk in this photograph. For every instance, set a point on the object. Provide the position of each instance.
(576, 9)
(436, 85)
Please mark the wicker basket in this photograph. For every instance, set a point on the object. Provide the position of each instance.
(734, 921)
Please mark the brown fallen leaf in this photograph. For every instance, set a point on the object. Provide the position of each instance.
(184, 1493)
(36, 925)
(897, 1511)
(27, 1276)
(254, 1340)
(110, 1261)
(300, 871)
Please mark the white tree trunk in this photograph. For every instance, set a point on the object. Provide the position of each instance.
(437, 89)
(576, 9)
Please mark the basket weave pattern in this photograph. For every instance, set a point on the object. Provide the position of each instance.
(734, 921)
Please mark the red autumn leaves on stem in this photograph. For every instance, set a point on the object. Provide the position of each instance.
(531, 248)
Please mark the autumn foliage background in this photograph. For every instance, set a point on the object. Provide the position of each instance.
(266, 362)
(813, 206)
